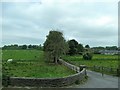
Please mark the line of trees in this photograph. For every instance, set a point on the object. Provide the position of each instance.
(22, 47)
(106, 48)
(97, 49)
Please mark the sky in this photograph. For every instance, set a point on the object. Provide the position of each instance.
(93, 22)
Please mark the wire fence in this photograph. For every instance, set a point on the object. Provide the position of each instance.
(106, 70)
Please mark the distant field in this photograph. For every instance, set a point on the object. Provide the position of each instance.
(30, 63)
(21, 54)
(108, 62)
(99, 60)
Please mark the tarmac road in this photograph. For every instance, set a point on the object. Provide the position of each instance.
(96, 80)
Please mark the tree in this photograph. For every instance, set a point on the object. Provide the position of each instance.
(24, 47)
(88, 53)
(80, 48)
(39, 47)
(96, 50)
(87, 56)
(55, 45)
(73, 45)
(111, 47)
(30, 46)
(87, 46)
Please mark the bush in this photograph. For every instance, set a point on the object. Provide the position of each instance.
(5, 76)
(87, 56)
(77, 82)
(5, 80)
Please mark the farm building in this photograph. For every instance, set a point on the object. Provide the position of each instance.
(109, 52)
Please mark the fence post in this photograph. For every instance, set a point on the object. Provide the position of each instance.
(85, 72)
(102, 71)
(118, 72)
(81, 67)
(76, 70)
(94, 67)
(111, 70)
(99, 68)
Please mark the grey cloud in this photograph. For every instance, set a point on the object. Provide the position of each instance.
(21, 40)
(30, 23)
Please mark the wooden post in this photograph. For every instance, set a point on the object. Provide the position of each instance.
(85, 72)
(81, 67)
(99, 68)
(118, 72)
(111, 69)
(94, 67)
(102, 71)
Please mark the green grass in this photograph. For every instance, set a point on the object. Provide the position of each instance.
(99, 60)
(30, 63)
(107, 61)
(21, 54)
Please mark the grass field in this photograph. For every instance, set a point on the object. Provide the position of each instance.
(108, 62)
(99, 60)
(22, 54)
(30, 63)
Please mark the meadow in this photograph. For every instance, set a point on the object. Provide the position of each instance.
(31, 63)
(107, 64)
(98, 60)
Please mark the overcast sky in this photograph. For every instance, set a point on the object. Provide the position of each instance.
(94, 22)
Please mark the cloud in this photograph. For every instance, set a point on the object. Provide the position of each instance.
(99, 21)
(60, 1)
(20, 0)
(91, 23)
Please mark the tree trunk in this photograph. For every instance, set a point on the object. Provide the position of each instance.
(55, 60)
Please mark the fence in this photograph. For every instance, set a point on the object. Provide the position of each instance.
(106, 70)
(72, 67)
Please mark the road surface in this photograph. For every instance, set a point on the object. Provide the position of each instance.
(96, 80)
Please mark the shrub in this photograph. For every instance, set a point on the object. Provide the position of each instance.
(5, 76)
(87, 56)
(77, 82)
(5, 80)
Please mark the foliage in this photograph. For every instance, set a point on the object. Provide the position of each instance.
(24, 47)
(75, 47)
(97, 49)
(80, 48)
(87, 56)
(111, 48)
(37, 47)
(55, 46)
(87, 46)
(5, 75)
(77, 82)
(20, 47)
